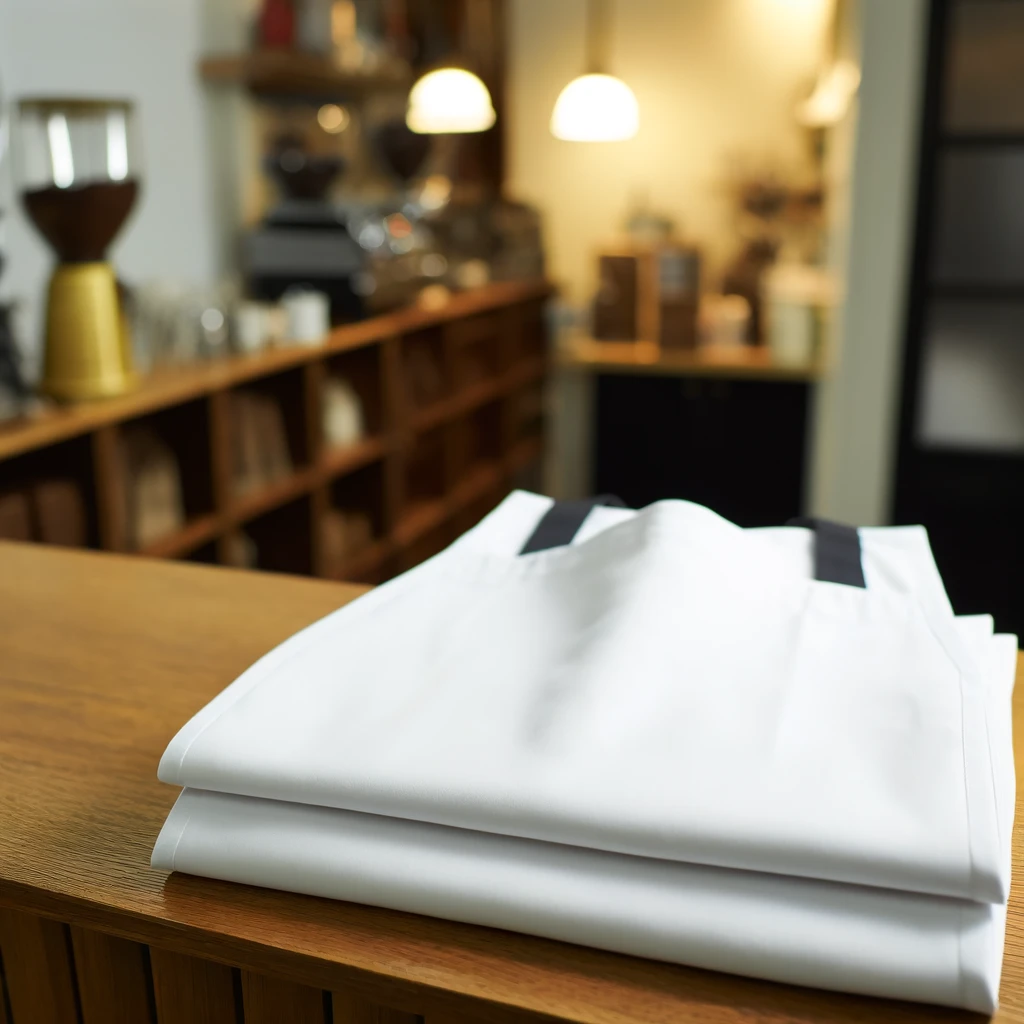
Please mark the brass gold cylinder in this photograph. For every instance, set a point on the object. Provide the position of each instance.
(88, 350)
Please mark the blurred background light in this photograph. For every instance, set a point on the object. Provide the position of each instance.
(595, 108)
(332, 118)
(449, 101)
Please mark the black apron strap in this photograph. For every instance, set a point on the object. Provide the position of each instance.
(560, 523)
(836, 551)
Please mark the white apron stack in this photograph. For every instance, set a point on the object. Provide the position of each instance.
(665, 738)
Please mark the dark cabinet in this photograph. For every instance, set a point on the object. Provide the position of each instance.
(737, 446)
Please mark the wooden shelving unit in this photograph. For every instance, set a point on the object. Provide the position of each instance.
(423, 474)
(289, 73)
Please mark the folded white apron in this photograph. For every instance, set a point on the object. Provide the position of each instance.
(670, 687)
(897, 558)
(849, 938)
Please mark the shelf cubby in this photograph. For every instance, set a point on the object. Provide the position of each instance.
(50, 494)
(206, 554)
(170, 447)
(282, 538)
(425, 380)
(354, 523)
(361, 370)
(475, 351)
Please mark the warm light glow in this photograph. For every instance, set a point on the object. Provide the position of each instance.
(60, 150)
(343, 21)
(398, 225)
(449, 101)
(436, 192)
(332, 118)
(595, 108)
(832, 95)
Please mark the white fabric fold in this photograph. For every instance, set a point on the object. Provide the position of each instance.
(848, 938)
(869, 941)
(670, 687)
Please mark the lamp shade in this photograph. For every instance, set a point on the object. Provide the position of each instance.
(449, 101)
(595, 108)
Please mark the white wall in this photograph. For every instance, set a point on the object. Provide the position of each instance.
(715, 80)
(855, 421)
(145, 50)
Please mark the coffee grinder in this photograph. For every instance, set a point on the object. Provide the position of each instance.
(79, 180)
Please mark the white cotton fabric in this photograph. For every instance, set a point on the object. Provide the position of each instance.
(668, 688)
(664, 740)
(854, 939)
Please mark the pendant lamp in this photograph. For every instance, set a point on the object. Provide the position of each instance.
(449, 99)
(596, 107)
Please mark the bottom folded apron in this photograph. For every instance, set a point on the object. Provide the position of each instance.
(849, 938)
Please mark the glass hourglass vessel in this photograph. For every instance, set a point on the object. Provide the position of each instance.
(78, 174)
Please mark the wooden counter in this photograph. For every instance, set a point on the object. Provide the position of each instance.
(102, 658)
(645, 358)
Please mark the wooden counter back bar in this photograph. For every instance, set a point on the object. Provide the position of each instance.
(102, 659)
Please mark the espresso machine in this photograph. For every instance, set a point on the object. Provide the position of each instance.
(304, 240)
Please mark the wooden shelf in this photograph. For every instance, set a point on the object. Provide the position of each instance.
(424, 516)
(478, 394)
(339, 461)
(192, 410)
(465, 401)
(281, 492)
(362, 563)
(420, 518)
(524, 454)
(528, 372)
(644, 357)
(174, 386)
(192, 535)
(480, 479)
(245, 507)
(289, 73)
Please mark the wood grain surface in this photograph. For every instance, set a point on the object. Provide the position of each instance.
(188, 990)
(350, 1008)
(278, 1001)
(112, 975)
(38, 974)
(103, 657)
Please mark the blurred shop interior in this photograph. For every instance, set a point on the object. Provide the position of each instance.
(309, 286)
